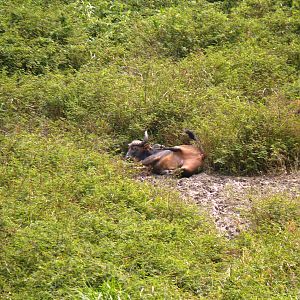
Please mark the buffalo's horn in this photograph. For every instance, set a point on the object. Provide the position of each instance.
(146, 137)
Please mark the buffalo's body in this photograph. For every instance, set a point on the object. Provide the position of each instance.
(184, 159)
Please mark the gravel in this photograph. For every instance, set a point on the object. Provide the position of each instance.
(225, 197)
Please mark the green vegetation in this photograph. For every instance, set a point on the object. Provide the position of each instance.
(78, 80)
(74, 226)
(227, 69)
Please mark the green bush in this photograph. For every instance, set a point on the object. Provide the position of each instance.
(180, 30)
(244, 138)
(244, 130)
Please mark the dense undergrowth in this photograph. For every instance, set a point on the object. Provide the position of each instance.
(78, 81)
(229, 70)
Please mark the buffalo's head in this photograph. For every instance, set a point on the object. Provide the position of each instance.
(139, 150)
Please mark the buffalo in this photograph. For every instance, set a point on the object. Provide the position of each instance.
(184, 160)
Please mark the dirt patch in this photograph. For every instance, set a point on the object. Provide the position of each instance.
(225, 197)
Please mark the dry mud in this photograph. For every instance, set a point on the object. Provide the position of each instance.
(225, 197)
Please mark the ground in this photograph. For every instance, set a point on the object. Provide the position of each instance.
(227, 197)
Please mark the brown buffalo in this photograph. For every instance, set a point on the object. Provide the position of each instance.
(184, 159)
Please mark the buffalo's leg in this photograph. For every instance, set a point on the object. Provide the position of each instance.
(153, 159)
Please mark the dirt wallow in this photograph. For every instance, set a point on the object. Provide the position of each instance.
(226, 197)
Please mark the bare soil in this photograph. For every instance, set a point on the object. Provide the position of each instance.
(225, 197)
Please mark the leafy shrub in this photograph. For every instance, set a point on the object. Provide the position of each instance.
(178, 31)
(243, 138)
